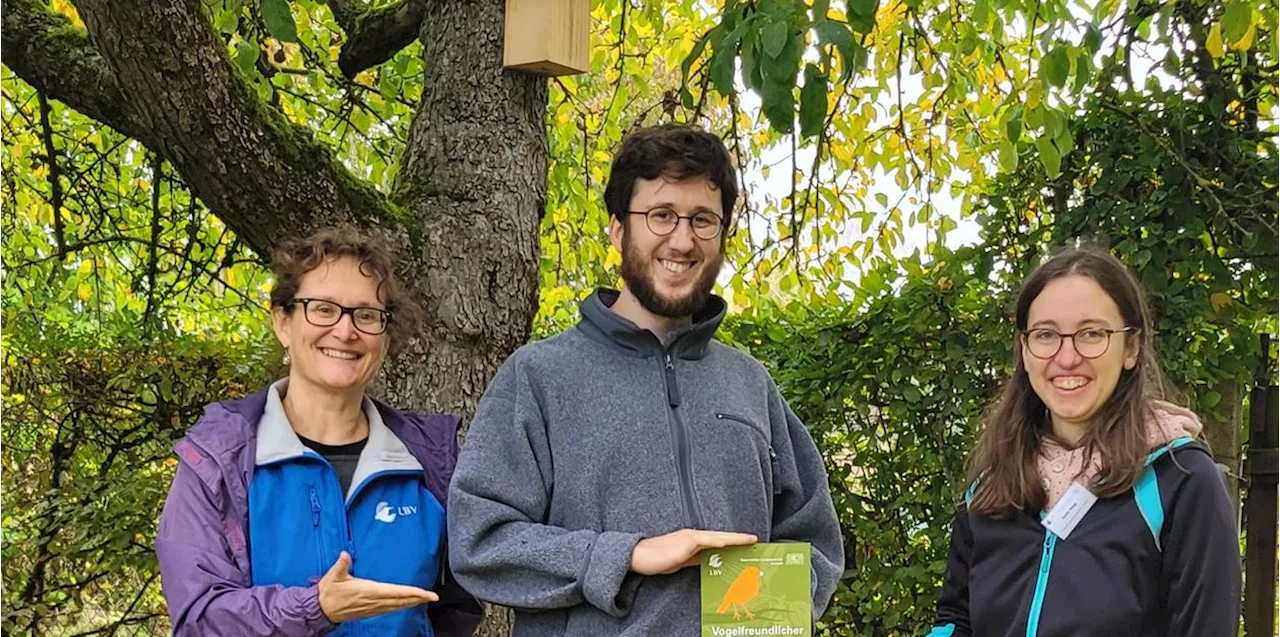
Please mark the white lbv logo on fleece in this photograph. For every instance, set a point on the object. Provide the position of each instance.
(387, 513)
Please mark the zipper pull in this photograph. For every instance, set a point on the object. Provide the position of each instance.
(673, 393)
(773, 457)
(315, 508)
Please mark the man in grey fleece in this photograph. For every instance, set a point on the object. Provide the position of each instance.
(603, 461)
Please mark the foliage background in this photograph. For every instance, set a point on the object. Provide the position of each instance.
(1145, 126)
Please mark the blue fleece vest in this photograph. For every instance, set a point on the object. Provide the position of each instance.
(299, 519)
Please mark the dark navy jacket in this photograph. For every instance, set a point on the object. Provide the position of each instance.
(1160, 560)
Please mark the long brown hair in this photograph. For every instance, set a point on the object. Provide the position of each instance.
(1005, 459)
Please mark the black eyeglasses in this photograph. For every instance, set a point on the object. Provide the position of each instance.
(321, 313)
(1090, 342)
(663, 221)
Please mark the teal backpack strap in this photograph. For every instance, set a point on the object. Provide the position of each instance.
(973, 488)
(1146, 492)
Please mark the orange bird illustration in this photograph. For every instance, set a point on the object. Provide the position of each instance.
(743, 589)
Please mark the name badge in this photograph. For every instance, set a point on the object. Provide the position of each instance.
(1064, 517)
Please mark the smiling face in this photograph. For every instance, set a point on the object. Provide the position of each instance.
(338, 358)
(1072, 387)
(670, 275)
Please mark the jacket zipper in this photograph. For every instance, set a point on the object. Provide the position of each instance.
(1042, 582)
(353, 627)
(773, 456)
(683, 462)
(315, 530)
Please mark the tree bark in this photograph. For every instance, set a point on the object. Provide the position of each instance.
(1223, 437)
(375, 35)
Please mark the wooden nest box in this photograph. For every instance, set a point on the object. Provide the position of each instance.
(547, 37)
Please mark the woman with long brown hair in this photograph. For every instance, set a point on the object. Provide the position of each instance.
(1091, 508)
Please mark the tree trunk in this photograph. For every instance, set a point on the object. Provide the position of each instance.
(473, 184)
(1224, 440)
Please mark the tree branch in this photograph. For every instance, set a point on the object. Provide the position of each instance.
(55, 180)
(50, 53)
(375, 35)
(262, 175)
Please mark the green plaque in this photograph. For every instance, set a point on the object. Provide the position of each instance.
(757, 591)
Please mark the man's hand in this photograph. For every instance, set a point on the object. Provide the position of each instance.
(669, 553)
(345, 598)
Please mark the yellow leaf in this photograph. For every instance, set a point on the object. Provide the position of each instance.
(1219, 300)
(85, 291)
(1246, 40)
(1214, 41)
(64, 7)
(86, 267)
(1034, 96)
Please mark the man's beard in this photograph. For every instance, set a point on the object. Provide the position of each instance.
(637, 273)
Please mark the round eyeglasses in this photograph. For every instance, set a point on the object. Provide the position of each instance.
(1090, 342)
(321, 313)
(663, 221)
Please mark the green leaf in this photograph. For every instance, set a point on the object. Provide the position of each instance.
(980, 14)
(1055, 67)
(1212, 399)
(722, 68)
(1052, 122)
(838, 35)
(1092, 39)
(783, 68)
(246, 55)
(1084, 73)
(1065, 141)
(863, 8)
(773, 36)
(819, 9)
(813, 101)
(694, 54)
(862, 15)
(388, 85)
(883, 199)
(229, 17)
(1008, 157)
(779, 106)
(279, 20)
(1011, 123)
(911, 394)
(1034, 117)
(752, 75)
(1049, 156)
(1236, 20)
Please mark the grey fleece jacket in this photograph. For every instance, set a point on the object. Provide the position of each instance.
(589, 441)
